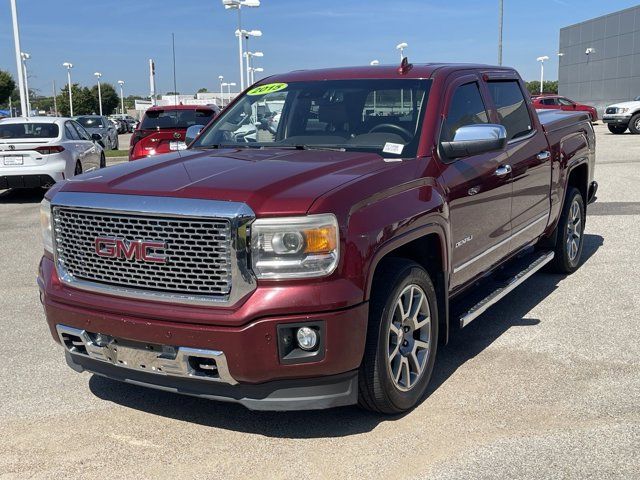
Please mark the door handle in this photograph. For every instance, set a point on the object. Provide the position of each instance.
(544, 155)
(503, 170)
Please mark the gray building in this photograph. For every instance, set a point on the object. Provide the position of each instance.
(600, 59)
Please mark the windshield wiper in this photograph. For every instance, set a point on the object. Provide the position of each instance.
(304, 146)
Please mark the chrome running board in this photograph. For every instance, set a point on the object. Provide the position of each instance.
(505, 288)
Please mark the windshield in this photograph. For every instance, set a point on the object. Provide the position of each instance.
(90, 122)
(361, 115)
(155, 119)
(28, 130)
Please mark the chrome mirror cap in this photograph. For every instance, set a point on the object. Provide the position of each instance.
(474, 140)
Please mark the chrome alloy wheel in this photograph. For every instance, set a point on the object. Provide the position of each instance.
(409, 337)
(574, 231)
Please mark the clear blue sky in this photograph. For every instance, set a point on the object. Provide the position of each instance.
(117, 37)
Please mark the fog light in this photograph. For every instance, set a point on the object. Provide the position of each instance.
(307, 338)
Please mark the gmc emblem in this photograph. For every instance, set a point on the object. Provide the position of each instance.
(138, 250)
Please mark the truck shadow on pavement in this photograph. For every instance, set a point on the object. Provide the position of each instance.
(463, 345)
(22, 195)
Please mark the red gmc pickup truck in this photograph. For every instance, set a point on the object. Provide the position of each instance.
(319, 256)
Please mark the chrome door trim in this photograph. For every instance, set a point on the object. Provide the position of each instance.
(499, 244)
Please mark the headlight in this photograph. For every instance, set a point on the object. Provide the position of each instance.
(45, 224)
(623, 110)
(294, 247)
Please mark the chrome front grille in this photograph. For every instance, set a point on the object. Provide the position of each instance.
(195, 251)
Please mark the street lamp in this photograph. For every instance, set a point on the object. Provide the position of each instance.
(246, 34)
(253, 70)
(248, 56)
(16, 41)
(121, 83)
(374, 62)
(229, 85)
(69, 66)
(98, 75)
(542, 60)
(221, 78)
(25, 56)
(401, 47)
(238, 4)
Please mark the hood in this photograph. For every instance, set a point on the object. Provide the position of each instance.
(633, 104)
(270, 181)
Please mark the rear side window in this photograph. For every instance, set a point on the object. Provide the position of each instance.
(548, 101)
(71, 132)
(511, 106)
(466, 108)
(176, 118)
(28, 130)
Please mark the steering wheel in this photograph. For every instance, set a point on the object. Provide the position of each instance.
(396, 128)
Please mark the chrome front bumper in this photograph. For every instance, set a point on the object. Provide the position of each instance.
(182, 362)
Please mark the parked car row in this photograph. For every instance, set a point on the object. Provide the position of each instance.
(124, 123)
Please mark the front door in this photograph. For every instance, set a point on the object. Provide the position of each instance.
(479, 191)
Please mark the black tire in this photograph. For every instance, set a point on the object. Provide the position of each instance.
(78, 170)
(565, 262)
(617, 129)
(634, 124)
(103, 161)
(377, 389)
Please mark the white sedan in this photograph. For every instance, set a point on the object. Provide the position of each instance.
(40, 151)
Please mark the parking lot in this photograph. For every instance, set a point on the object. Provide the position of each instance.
(546, 384)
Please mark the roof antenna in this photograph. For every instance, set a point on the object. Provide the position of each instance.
(405, 66)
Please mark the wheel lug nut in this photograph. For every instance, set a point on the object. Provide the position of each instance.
(405, 343)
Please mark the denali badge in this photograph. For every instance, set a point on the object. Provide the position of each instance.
(121, 248)
(468, 238)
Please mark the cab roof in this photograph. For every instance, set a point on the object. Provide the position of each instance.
(417, 71)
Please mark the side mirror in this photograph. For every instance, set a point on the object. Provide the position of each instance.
(96, 137)
(192, 132)
(476, 139)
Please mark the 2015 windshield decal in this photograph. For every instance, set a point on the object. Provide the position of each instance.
(268, 88)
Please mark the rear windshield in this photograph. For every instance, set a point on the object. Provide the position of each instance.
(90, 122)
(28, 130)
(175, 118)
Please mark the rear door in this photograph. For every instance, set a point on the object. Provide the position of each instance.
(89, 147)
(529, 160)
(479, 193)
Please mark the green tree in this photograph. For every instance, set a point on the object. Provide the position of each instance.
(203, 90)
(549, 87)
(83, 101)
(110, 98)
(7, 86)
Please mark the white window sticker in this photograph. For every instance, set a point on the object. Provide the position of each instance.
(395, 148)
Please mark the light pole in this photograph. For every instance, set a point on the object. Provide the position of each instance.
(121, 83)
(500, 24)
(246, 34)
(221, 78)
(98, 75)
(373, 63)
(238, 4)
(254, 70)
(401, 47)
(248, 56)
(16, 41)
(69, 66)
(542, 60)
(25, 56)
(229, 85)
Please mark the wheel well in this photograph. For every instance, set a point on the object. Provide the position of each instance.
(427, 252)
(579, 178)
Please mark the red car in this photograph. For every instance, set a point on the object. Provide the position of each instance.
(162, 129)
(557, 102)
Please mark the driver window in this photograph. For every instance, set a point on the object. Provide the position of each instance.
(466, 108)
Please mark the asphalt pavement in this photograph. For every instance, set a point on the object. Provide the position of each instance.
(544, 385)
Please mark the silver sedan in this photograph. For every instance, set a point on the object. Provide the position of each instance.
(103, 127)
